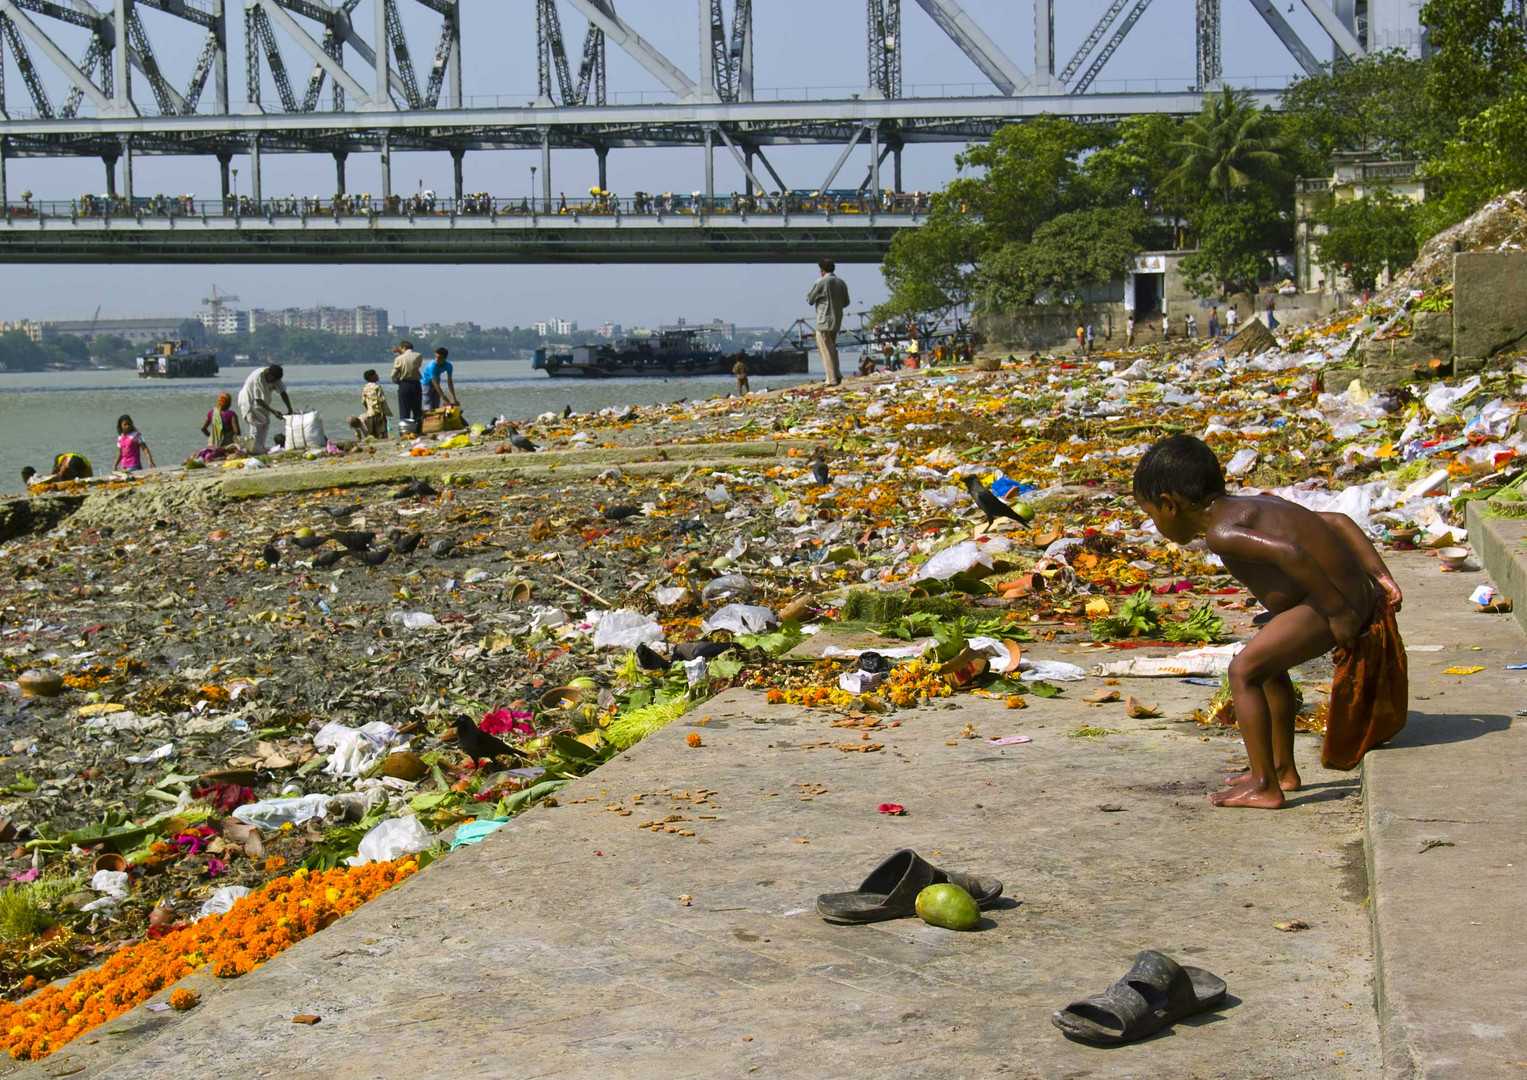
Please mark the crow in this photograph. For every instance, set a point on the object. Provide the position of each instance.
(685, 526)
(567, 410)
(354, 541)
(693, 650)
(442, 547)
(820, 475)
(479, 745)
(619, 513)
(650, 659)
(339, 513)
(988, 503)
(415, 489)
(308, 543)
(374, 556)
(408, 543)
(327, 559)
(519, 442)
(271, 554)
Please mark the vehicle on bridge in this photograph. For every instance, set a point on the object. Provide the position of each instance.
(177, 359)
(672, 352)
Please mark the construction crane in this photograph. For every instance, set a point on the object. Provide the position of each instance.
(217, 300)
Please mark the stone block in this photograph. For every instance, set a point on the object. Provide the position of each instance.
(1489, 303)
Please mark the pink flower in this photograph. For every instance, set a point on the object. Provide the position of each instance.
(215, 867)
(892, 809)
(30, 875)
(502, 722)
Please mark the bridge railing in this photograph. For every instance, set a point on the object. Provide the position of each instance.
(428, 205)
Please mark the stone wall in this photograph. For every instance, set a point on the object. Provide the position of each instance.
(1489, 303)
(1053, 326)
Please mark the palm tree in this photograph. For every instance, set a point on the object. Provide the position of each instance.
(1228, 145)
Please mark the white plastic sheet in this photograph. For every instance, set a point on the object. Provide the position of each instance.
(354, 750)
(274, 813)
(111, 882)
(958, 559)
(1441, 399)
(392, 839)
(1209, 662)
(221, 901)
(626, 629)
(740, 619)
(1050, 671)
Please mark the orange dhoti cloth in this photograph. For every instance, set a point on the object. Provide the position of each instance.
(1370, 694)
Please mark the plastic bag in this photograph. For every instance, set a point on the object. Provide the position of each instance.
(354, 750)
(392, 839)
(727, 585)
(413, 620)
(1050, 671)
(626, 629)
(304, 431)
(111, 882)
(958, 559)
(1211, 661)
(945, 498)
(1241, 463)
(668, 595)
(274, 813)
(740, 619)
(475, 832)
(221, 901)
(1441, 399)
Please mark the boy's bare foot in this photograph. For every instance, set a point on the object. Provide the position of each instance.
(1288, 781)
(1246, 795)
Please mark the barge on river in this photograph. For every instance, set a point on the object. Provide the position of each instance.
(177, 360)
(671, 353)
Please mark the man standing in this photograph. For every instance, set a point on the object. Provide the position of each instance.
(439, 381)
(1129, 332)
(255, 403)
(406, 370)
(1213, 323)
(740, 369)
(830, 296)
(1230, 317)
(1091, 337)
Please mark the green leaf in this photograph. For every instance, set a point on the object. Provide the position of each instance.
(567, 747)
(724, 669)
(1044, 689)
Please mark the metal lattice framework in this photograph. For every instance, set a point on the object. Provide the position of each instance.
(103, 61)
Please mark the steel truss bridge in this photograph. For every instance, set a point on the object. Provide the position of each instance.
(96, 86)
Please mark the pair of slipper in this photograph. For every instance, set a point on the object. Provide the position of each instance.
(1154, 994)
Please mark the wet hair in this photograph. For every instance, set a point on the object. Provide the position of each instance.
(442, 352)
(405, 344)
(371, 375)
(128, 420)
(275, 371)
(828, 265)
(1181, 466)
(27, 472)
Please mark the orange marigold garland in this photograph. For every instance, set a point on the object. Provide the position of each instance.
(259, 926)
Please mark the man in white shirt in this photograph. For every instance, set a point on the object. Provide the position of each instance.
(255, 403)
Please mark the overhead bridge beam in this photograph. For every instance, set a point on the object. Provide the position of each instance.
(974, 43)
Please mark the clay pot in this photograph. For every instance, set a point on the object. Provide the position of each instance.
(562, 697)
(519, 592)
(1453, 557)
(36, 683)
(110, 861)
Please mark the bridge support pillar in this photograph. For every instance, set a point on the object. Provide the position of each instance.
(386, 167)
(896, 170)
(255, 189)
(110, 161)
(457, 156)
(603, 153)
(710, 168)
(127, 168)
(339, 171)
(5, 145)
(875, 166)
(224, 161)
(545, 171)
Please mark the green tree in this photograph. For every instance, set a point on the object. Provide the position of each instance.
(1229, 146)
(1065, 256)
(1487, 158)
(1366, 236)
(1478, 53)
(1235, 243)
(931, 268)
(1375, 104)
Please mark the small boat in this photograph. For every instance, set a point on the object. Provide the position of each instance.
(671, 353)
(177, 359)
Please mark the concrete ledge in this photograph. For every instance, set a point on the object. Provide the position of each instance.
(1500, 544)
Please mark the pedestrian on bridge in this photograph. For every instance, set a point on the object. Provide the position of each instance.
(255, 403)
(407, 369)
(830, 296)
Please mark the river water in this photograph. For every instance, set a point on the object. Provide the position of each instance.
(46, 413)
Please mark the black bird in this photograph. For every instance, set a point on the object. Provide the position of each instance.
(327, 559)
(442, 547)
(479, 745)
(415, 489)
(519, 442)
(567, 410)
(821, 476)
(340, 512)
(354, 541)
(408, 543)
(650, 659)
(308, 543)
(685, 526)
(271, 554)
(375, 556)
(693, 650)
(988, 503)
(619, 513)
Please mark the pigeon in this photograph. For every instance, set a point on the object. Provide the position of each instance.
(374, 556)
(271, 554)
(415, 489)
(567, 410)
(649, 658)
(338, 513)
(519, 442)
(408, 543)
(820, 475)
(619, 513)
(308, 543)
(327, 559)
(441, 548)
(354, 541)
(479, 745)
(988, 503)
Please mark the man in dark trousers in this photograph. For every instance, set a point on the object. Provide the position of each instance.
(830, 296)
(407, 369)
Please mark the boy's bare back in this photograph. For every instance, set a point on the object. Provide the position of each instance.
(1257, 535)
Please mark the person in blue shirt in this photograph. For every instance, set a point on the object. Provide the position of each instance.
(434, 372)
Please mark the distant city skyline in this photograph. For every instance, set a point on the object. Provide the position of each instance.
(499, 62)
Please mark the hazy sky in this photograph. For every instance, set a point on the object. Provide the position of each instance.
(799, 43)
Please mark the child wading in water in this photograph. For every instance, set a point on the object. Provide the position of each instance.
(1326, 587)
(131, 449)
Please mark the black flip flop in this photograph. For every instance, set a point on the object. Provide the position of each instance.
(890, 892)
(1155, 994)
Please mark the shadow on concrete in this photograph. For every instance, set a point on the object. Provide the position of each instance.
(1437, 729)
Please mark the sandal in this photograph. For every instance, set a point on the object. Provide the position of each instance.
(1155, 994)
(890, 892)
